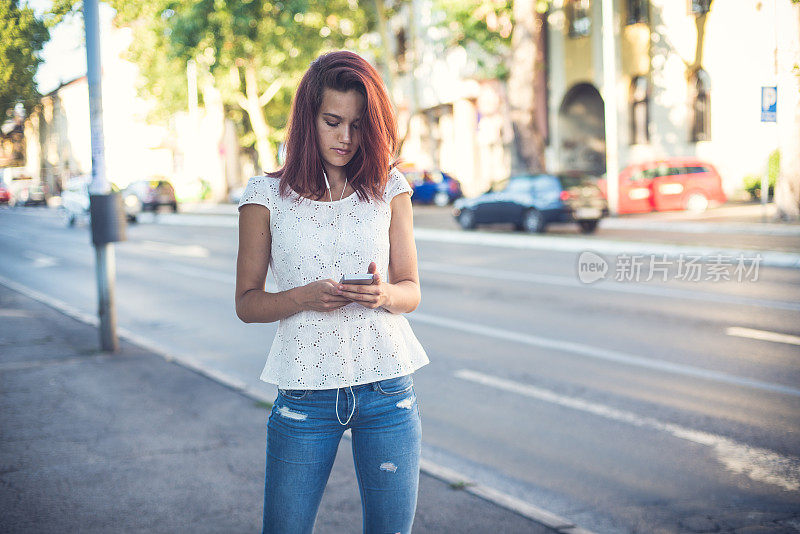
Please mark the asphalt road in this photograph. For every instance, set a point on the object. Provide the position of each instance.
(623, 406)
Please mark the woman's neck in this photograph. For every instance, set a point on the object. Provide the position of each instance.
(336, 176)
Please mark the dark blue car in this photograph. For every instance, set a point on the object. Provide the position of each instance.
(531, 202)
(433, 187)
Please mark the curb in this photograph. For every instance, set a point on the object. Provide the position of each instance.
(445, 474)
(698, 227)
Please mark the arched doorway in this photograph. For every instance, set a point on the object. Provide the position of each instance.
(582, 130)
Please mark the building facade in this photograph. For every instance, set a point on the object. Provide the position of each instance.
(688, 77)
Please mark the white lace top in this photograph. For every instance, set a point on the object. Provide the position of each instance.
(315, 240)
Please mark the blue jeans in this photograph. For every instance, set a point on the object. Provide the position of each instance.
(303, 434)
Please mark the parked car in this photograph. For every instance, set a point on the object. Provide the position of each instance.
(27, 192)
(531, 202)
(669, 184)
(153, 194)
(432, 187)
(235, 194)
(5, 194)
(75, 201)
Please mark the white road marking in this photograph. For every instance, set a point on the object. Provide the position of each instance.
(187, 251)
(602, 354)
(216, 276)
(205, 274)
(601, 246)
(183, 219)
(764, 335)
(759, 464)
(41, 261)
(636, 289)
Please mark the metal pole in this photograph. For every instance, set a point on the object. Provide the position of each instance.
(100, 185)
(610, 107)
(765, 176)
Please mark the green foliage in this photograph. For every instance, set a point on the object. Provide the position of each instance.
(163, 76)
(752, 183)
(483, 28)
(278, 39)
(23, 37)
(61, 9)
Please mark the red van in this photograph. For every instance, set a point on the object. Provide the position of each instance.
(670, 184)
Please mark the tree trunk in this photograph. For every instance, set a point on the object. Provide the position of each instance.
(787, 187)
(210, 164)
(252, 105)
(527, 97)
(385, 55)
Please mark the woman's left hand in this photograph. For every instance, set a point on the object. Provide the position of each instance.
(371, 296)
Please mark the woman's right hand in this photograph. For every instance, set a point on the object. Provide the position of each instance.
(320, 296)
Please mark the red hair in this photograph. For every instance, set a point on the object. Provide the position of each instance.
(367, 171)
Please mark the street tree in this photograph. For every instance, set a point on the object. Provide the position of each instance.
(527, 86)
(483, 29)
(506, 40)
(24, 35)
(254, 52)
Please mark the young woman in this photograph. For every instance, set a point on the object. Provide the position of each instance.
(343, 355)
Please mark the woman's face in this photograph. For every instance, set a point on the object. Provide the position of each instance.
(338, 121)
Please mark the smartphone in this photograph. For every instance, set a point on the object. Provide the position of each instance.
(358, 279)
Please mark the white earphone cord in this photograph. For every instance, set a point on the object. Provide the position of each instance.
(338, 310)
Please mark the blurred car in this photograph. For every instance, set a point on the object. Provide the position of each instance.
(153, 194)
(235, 194)
(432, 187)
(75, 201)
(669, 184)
(5, 194)
(25, 192)
(531, 202)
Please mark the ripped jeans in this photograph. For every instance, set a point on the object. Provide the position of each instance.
(303, 434)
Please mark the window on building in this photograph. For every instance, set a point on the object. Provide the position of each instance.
(639, 96)
(700, 101)
(637, 11)
(699, 7)
(579, 17)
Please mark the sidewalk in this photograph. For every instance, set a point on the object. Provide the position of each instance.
(735, 215)
(129, 442)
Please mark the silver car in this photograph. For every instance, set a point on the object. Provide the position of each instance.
(75, 201)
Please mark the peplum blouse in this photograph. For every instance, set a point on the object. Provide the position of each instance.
(315, 240)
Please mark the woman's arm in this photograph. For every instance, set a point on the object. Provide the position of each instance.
(253, 304)
(401, 294)
(404, 292)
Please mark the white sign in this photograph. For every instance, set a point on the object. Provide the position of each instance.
(769, 104)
